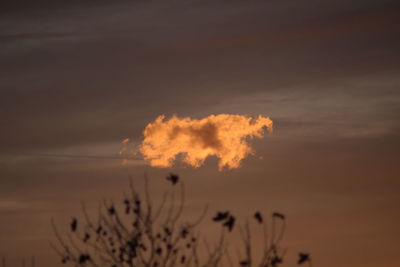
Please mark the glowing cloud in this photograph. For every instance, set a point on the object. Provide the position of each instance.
(222, 135)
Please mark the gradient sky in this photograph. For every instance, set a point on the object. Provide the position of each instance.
(78, 77)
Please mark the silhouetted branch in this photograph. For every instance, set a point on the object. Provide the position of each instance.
(143, 235)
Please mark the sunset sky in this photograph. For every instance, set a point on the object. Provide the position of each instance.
(78, 77)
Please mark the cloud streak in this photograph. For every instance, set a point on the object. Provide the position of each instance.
(223, 135)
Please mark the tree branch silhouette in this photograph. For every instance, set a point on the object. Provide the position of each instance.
(147, 235)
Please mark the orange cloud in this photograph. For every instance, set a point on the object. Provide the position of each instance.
(222, 135)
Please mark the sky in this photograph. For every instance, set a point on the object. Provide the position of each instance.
(78, 77)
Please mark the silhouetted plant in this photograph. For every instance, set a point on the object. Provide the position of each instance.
(149, 236)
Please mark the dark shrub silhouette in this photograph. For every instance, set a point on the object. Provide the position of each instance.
(137, 233)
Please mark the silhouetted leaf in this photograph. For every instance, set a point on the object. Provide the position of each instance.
(303, 257)
(221, 216)
(276, 260)
(74, 224)
(258, 217)
(244, 263)
(83, 258)
(173, 178)
(183, 259)
(278, 215)
(86, 238)
(184, 233)
(230, 223)
(111, 210)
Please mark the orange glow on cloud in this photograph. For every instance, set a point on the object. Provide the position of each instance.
(222, 135)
